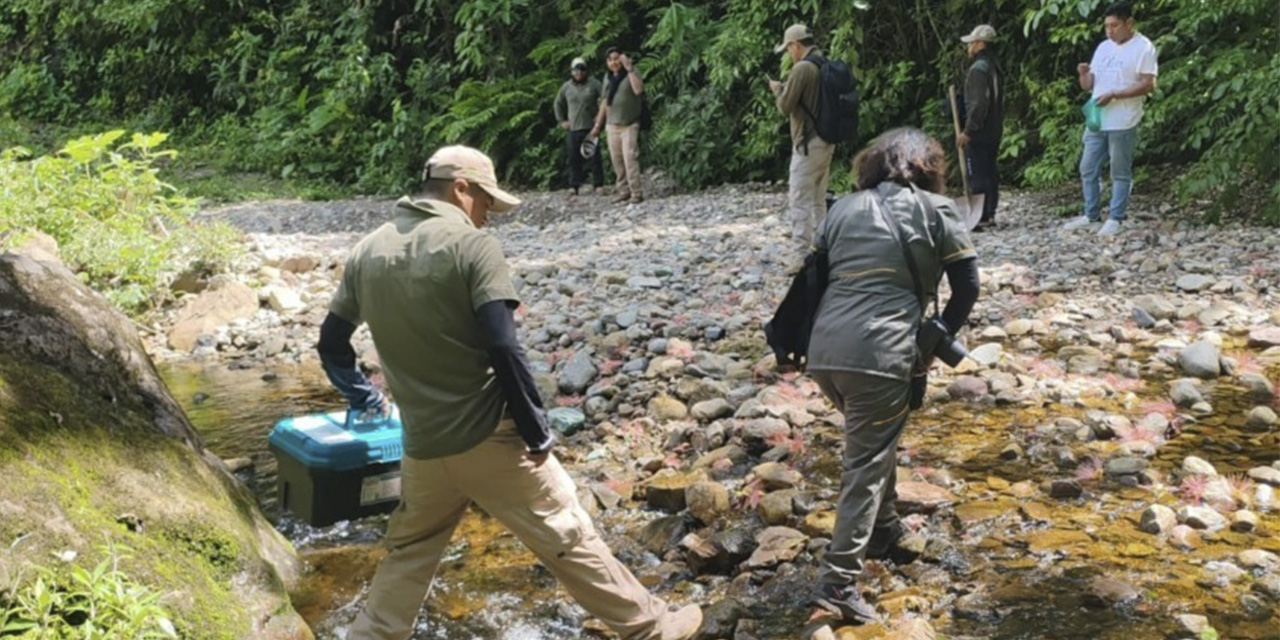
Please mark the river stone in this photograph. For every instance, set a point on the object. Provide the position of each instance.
(922, 497)
(707, 501)
(1264, 337)
(819, 524)
(1184, 537)
(1108, 592)
(732, 452)
(1266, 475)
(1065, 489)
(1261, 419)
(666, 490)
(721, 618)
(1244, 521)
(1204, 518)
(1268, 585)
(1201, 360)
(225, 302)
(1258, 387)
(777, 545)
(578, 373)
(909, 629)
(761, 434)
(567, 420)
(1019, 327)
(1196, 626)
(665, 408)
(1194, 282)
(1258, 559)
(776, 476)
(662, 534)
(1126, 466)
(1142, 318)
(776, 507)
(1159, 307)
(77, 386)
(967, 388)
(1198, 466)
(1158, 519)
(1185, 392)
(987, 355)
(709, 410)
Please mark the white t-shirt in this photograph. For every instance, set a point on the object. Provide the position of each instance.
(1116, 67)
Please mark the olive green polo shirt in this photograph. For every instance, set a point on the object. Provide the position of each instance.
(869, 315)
(577, 103)
(417, 282)
(626, 106)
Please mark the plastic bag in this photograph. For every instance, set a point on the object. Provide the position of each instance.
(1092, 115)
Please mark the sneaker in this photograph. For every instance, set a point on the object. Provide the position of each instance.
(846, 602)
(1078, 223)
(884, 539)
(684, 624)
(1109, 228)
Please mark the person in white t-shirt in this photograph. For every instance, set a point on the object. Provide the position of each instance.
(1121, 74)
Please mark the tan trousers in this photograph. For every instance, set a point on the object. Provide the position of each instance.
(624, 152)
(537, 503)
(807, 193)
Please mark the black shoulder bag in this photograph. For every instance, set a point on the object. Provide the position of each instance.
(792, 324)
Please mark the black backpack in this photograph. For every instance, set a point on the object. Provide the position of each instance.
(837, 117)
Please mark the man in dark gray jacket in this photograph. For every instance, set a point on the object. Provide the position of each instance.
(984, 121)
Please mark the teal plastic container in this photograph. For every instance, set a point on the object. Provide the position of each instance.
(333, 468)
(1092, 115)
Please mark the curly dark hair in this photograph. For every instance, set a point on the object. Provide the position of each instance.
(905, 155)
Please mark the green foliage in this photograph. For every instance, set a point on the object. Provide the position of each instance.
(128, 233)
(357, 94)
(81, 603)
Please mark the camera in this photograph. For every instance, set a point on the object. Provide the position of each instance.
(935, 338)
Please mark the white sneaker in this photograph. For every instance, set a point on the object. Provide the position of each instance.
(1110, 228)
(1077, 223)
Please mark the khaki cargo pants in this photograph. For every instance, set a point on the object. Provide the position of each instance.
(807, 191)
(537, 503)
(624, 153)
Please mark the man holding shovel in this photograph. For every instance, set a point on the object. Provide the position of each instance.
(984, 124)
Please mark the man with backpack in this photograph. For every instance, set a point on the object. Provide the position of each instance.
(820, 99)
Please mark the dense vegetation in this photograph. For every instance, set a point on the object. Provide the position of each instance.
(357, 92)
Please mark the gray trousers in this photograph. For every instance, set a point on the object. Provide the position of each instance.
(875, 411)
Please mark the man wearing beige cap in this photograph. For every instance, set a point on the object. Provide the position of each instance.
(797, 99)
(438, 298)
(984, 119)
(575, 111)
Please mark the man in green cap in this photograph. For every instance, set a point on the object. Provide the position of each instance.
(437, 295)
(575, 111)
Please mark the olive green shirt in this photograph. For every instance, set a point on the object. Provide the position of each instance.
(798, 100)
(626, 106)
(417, 281)
(868, 318)
(577, 103)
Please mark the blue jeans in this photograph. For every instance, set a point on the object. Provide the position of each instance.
(1098, 145)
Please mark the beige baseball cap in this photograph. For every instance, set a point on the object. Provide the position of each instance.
(471, 165)
(794, 33)
(577, 62)
(981, 33)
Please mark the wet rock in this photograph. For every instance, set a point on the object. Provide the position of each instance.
(1185, 392)
(666, 490)
(912, 629)
(761, 434)
(721, 618)
(567, 420)
(1064, 489)
(1184, 537)
(1258, 388)
(1266, 475)
(1261, 419)
(776, 545)
(1011, 451)
(1143, 318)
(709, 410)
(606, 496)
(1201, 360)
(665, 408)
(987, 355)
(663, 534)
(1264, 338)
(707, 501)
(967, 388)
(1158, 520)
(1204, 518)
(1198, 466)
(732, 453)
(1105, 592)
(776, 476)
(578, 373)
(1244, 521)
(819, 524)
(776, 508)
(922, 497)
(1126, 466)
(1194, 626)
(1258, 559)
(1269, 586)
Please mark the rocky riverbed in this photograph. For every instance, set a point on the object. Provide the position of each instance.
(1104, 465)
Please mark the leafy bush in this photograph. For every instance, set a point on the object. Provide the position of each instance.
(116, 223)
(101, 603)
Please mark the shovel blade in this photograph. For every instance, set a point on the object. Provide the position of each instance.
(970, 210)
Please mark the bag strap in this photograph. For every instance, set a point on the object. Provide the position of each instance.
(895, 229)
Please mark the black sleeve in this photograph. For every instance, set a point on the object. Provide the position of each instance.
(512, 369)
(339, 361)
(962, 275)
(976, 100)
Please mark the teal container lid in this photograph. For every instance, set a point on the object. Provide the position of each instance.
(329, 442)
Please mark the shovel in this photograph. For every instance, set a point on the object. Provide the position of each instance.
(970, 206)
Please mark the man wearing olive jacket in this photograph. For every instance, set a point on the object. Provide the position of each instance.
(984, 119)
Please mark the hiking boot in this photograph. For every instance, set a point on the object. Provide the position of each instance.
(1109, 228)
(1078, 223)
(845, 602)
(884, 539)
(683, 624)
(621, 198)
(637, 200)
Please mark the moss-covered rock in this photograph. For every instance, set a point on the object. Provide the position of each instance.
(95, 452)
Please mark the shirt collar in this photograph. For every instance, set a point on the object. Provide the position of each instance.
(430, 207)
